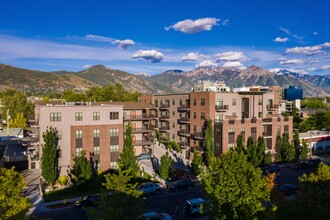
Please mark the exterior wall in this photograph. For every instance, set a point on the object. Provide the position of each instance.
(227, 99)
(147, 98)
(68, 120)
(277, 90)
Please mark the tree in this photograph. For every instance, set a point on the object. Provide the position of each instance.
(127, 158)
(261, 148)
(18, 122)
(82, 169)
(49, 169)
(196, 163)
(209, 142)
(165, 166)
(251, 152)
(176, 146)
(121, 201)
(279, 157)
(240, 143)
(12, 203)
(234, 187)
(304, 150)
(296, 144)
(314, 192)
(288, 148)
(268, 158)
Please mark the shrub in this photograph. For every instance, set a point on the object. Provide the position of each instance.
(63, 180)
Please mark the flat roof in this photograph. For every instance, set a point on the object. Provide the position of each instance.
(125, 105)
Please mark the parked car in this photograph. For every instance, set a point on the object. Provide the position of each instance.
(144, 156)
(91, 200)
(288, 189)
(155, 216)
(150, 188)
(196, 206)
(181, 185)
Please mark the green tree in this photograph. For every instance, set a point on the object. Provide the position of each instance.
(82, 169)
(127, 158)
(209, 142)
(313, 103)
(18, 122)
(240, 147)
(314, 192)
(49, 169)
(279, 157)
(296, 144)
(121, 201)
(176, 146)
(261, 148)
(196, 163)
(268, 158)
(251, 152)
(13, 205)
(165, 166)
(304, 150)
(289, 151)
(235, 188)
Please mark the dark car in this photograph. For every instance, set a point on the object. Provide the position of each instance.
(144, 156)
(91, 200)
(181, 185)
(288, 189)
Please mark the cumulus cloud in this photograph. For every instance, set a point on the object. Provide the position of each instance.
(194, 57)
(309, 50)
(235, 64)
(124, 43)
(153, 56)
(326, 67)
(281, 40)
(189, 26)
(326, 45)
(230, 56)
(292, 62)
(206, 64)
(282, 58)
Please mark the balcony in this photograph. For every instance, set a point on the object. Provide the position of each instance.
(221, 108)
(164, 128)
(272, 107)
(163, 140)
(184, 145)
(34, 123)
(143, 142)
(267, 120)
(164, 107)
(144, 129)
(184, 133)
(139, 117)
(164, 118)
(183, 120)
(184, 108)
(197, 136)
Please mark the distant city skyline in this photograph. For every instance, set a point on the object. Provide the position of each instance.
(154, 36)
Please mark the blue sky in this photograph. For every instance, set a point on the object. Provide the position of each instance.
(154, 36)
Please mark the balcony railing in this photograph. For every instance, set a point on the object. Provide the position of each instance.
(144, 129)
(272, 107)
(164, 128)
(184, 108)
(184, 133)
(143, 142)
(140, 117)
(184, 120)
(164, 117)
(163, 139)
(164, 107)
(184, 145)
(197, 136)
(219, 108)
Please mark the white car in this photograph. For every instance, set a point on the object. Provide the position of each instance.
(156, 216)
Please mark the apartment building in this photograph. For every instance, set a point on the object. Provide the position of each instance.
(97, 128)
(183, 118)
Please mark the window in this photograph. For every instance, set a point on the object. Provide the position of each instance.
(79, 134)
(173, 101)
(180, 101)
(234, 114)
(79, 116)
(173, 136)
(234, 102)
(114, 132)
(231, 135)
(260, 114)
(231, 146)
(202, 115)
(194, 102)
(78, 152)
(96, 150)
(217, 146)
(195, 115)
(278, 129)
(202, 102)
(114, 115)
(156, 103)
(254, 133)
(59, 135)
(96, 133)
(55, 116)
(114, 148)
(173, 124)
(173, 113)
(114, 165)
(286, 129)
(243, 131)
(195, 128)
(96, 116)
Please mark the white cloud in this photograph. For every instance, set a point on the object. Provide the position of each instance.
(281, 40)
(292, 62)
(99, 38)
(315, 33)
(189, 26)
(285, 30)
(206, 64)
(294, 70)
(326, 45)
(124, 43)
(326, 67)
(275, 70)
(230, 56)
(153, 56)
(314, 61)
(282, 58)
(311, 69)
(194, 57)
(235, 64)
(309, 50)
(87, 66)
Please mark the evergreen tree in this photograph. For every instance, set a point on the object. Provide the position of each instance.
(261, 148)
(82, 169)
(240, 143)
(304, 150)
(251, 152)
(268, 159)
(209, 142)
(296, 144)
(196, 163)
(165, 166)
(49, 167)
(279, 157)
(288, 148)
(127, 159)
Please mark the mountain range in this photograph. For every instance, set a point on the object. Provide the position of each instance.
(171, 81)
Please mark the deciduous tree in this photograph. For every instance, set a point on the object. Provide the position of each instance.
(165, 166)
(196, 163)
(18, 122)
(240, 147)
(82, 169)
(296, 144)
(209, 142)
(304, 150)
(49, 169)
